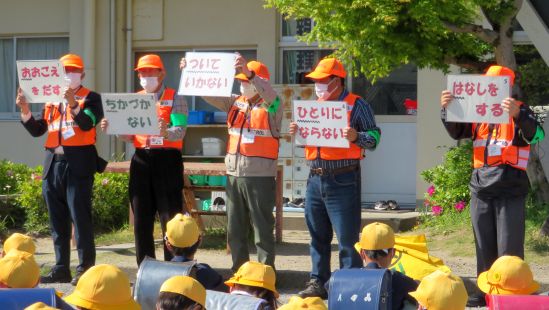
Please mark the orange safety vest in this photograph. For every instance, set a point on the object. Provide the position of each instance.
(334, 153)
(249, 131)
(163, 109)
(58, 123)
(496, 147)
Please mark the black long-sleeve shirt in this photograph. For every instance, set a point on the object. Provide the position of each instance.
(502, 180)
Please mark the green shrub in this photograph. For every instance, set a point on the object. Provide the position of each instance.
(31, 201)
(11, 175)
(448, 196)
(110, 201)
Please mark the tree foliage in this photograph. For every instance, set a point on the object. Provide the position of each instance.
(377, 36)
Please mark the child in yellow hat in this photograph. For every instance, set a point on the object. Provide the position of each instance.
(39, 306)
(257, 280)
(441, 291)
(309, 303)
(18, 269)
(20, 242)
(376, 248)
(103, 287)
(181, 293)
(182, 240)
(508, 275)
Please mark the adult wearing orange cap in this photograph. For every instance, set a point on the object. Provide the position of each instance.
(499, 183)
(254, 120)
(332, 200)
(156, 169)
(71, 161)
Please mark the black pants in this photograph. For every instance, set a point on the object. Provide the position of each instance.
(156, 185)
(499, 228)
(69, 198)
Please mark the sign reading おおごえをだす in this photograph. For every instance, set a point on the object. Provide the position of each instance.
(321, 123)
(208, 74)
(130, 114)
(42, 80)
(478, 98)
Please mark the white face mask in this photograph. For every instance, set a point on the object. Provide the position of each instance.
(321, 90)
(248, 90)
(74, 79)
(149, 84)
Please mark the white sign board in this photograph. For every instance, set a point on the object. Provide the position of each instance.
(42, 80)
(477, 99)
(130, 114)
(321, 123)
(208, 74)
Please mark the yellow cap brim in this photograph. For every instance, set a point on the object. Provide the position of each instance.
(485, 286)
(358, 248)
(76, 300)
(317, 75)
(232, 281)
(241, 76)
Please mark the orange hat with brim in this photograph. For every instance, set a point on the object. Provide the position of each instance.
(258, 68)
(501, 71)
(508, 275)
(149, 61)
(72, 60)
(327, 67)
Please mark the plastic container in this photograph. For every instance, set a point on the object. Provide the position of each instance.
(206, 204)
(411, 106)
(200, 117)
(198, 179)
(216, 180)
(220, 117)
(213, 146)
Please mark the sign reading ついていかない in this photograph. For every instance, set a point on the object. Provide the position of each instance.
(208, 74)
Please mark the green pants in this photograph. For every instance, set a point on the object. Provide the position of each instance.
(250, 202)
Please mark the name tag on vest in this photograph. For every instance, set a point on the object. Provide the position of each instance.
(157, 140)
(494, 150)
(166, 103)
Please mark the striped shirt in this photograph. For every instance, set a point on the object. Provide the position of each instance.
(362, 120)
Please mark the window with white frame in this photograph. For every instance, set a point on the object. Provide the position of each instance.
(173, 74)
(386, 97)
(23, 48)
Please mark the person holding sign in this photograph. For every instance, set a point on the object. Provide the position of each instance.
(254, 121)
(499, 183)
(156, 169)
(332, 199)
(70, 164)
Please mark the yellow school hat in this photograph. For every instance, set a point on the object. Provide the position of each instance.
(182, 231)
(509, 275)
(19, 242)
(39, 306)
(376, 236)
(311, 303)
(186, 286)
(441, 291)
(18, 269)
(103, 287)
(255, 274)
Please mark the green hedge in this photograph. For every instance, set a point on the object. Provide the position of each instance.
(27, 210)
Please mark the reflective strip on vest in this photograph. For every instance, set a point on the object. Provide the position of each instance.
(163, 110)
(256, 132)
(482, 143)
(59, 123)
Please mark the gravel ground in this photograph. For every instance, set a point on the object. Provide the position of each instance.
(292, 262)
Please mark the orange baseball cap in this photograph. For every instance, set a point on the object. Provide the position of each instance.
(72, 60)
(149, 61)
(327, 67)
(501, 71)
(258, 68)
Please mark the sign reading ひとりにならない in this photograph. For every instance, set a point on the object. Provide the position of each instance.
(321, 123)
(42, 80)
(478, 99)
(208, 74)
(130, 114)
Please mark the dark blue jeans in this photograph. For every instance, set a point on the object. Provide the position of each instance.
(69, 199)
(333, 202)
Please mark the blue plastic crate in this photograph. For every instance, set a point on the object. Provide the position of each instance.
(200, 117)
